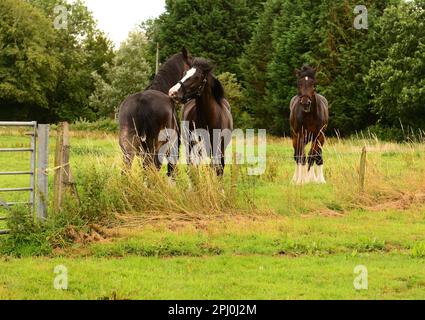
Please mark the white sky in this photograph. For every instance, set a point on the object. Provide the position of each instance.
(118, 17)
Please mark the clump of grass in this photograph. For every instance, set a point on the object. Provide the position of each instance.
(26, 238)
(201, 194)
(418, 251)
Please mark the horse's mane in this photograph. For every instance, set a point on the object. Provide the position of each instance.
(216, 86)
(218, 90)
(307, 71)
(169, 74)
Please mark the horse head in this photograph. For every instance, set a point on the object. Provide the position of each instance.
(193, 83)
(306, 86)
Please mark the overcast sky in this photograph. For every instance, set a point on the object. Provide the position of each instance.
(118, 17)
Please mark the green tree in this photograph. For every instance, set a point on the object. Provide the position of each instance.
(254, 62)
(28, 71)
(323, 36)
(396, 79)
(82, 49)
(214, 29)
(129, 73)
(233, 91)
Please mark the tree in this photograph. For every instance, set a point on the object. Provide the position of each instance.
(82, 50)
(293, 44)
(28, 71)
(234, 95)
(129, 73)
(396, 79)
(323, 36)
(213, 29)
(255, 60)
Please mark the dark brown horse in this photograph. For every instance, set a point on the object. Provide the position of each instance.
(309, 119)
(148, 120)
(206, 115)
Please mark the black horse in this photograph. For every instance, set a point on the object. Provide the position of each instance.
(148, 120)
(309, 119)
(206, 114)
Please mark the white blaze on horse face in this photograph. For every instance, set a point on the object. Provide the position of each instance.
(177, 87)
(189, 74)
(306, 78)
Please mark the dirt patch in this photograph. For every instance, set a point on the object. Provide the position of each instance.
(324, 213)
(134, 223)
(405, 202)
(93, 233)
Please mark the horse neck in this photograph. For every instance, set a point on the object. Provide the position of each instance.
(163, 83)
(314, 104)
(206, 103)
(169, 74)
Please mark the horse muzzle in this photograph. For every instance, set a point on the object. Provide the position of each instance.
(306, 107)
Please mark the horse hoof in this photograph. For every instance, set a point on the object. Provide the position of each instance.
(321, 181)
(171, 183)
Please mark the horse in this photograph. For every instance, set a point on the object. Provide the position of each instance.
(309, 119)
(148, 120)
(206, 114)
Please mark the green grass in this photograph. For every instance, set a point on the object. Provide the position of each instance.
(223, 277)
(355, 233)
(298, 243)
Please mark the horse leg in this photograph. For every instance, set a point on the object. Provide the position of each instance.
(311, 174)
(223, 157)
(217, 153)
(319, 158)
(130, 144)
(300, 159)
(190, 163)
(173, 158)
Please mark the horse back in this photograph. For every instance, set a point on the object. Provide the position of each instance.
(147, 113)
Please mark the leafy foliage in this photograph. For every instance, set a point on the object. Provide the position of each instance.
(213, 29)
(28, 72)
(372, 78)
(128, 74)
(46, 73)
(396, 80)
(234, 95)
(323, 36)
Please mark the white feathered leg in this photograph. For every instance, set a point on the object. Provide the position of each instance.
(311, 176)
(298, 176)
(320, 175)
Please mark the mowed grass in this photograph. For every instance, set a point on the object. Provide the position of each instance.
(222, 277)
(300, 243)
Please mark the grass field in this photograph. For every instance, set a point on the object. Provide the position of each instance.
(265, 239)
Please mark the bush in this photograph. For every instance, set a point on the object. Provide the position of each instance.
(103, 125)
(396, 134)
(26, 238)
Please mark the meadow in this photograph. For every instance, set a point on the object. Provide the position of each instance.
(137, 237)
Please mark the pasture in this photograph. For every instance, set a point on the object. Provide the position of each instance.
(262, 238)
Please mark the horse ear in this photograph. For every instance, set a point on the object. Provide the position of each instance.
(186, 56)
(297, 72)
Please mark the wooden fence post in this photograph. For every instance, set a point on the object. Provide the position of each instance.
(63, 178)
(57, 202)
(42, 174)
(363, 169)
(235, 172)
